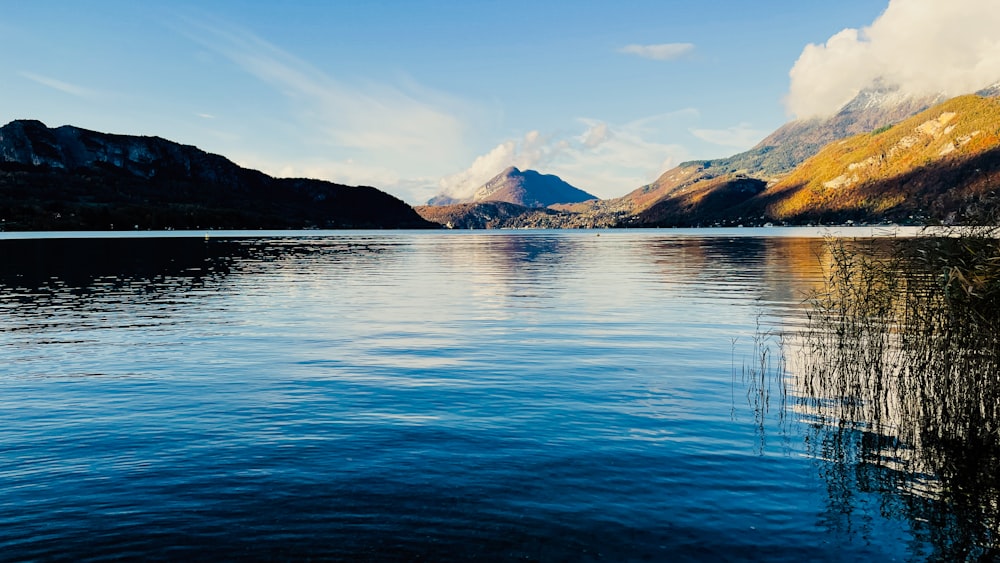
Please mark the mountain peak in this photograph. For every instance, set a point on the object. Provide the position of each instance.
(530, 189)
(527, 188)
(881, 97)
(28, 123)
(991, 91)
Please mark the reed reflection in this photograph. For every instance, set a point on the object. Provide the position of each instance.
(898, 376)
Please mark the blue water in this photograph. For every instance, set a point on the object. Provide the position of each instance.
(398, 396)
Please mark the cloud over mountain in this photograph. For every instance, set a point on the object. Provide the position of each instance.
(604, 158)
(922, 46)
(740, 136)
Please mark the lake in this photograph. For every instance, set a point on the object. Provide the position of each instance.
(380, 395)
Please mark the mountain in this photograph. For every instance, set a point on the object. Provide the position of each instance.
(68, 178)
(941, 164)
(527, 188)
(492, 215)
(733, 190)
(797, 140)
(991, 91)
(778, 154)
(512, 199)
(885, 156)
(504, 215)
(530, 189)
(702, 192)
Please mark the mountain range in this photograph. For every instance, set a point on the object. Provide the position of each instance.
(916, 170)
(912, 159)
(884, 157)
(68, 178)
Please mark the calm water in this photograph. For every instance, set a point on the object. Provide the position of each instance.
(398, 396)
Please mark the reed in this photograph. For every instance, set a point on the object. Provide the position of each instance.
(901, 371)
(763, 378)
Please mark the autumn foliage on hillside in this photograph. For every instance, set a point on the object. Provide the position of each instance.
(941, 164)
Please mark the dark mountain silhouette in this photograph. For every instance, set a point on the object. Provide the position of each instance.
(68, 178)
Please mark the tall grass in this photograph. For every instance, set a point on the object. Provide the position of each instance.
(898, 374)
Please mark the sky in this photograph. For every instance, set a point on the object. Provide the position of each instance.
(419, 98)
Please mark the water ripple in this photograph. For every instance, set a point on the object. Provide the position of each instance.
(395, 396)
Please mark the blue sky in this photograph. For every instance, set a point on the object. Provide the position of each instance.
(419, 97)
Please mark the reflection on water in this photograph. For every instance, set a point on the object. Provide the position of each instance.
(898, 376)
(540, 395)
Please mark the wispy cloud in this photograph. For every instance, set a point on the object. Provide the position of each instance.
(741, 136)
(64, 87)
(403, 122)
(659, 52)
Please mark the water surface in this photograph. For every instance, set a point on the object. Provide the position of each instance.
(402, 395)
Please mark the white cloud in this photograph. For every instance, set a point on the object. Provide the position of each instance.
(596, 135)
(660, 52)
(742, 136)
(604, 159)
(530, 152)
(922, 46)
(64, 87)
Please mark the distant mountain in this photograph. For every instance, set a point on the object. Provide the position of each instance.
(773, 181)
(991, 91)
(68, 178)
(504, 215)
(527, 188)
(530, 189)
(885, 156)
(512, 199)
(492, 215)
